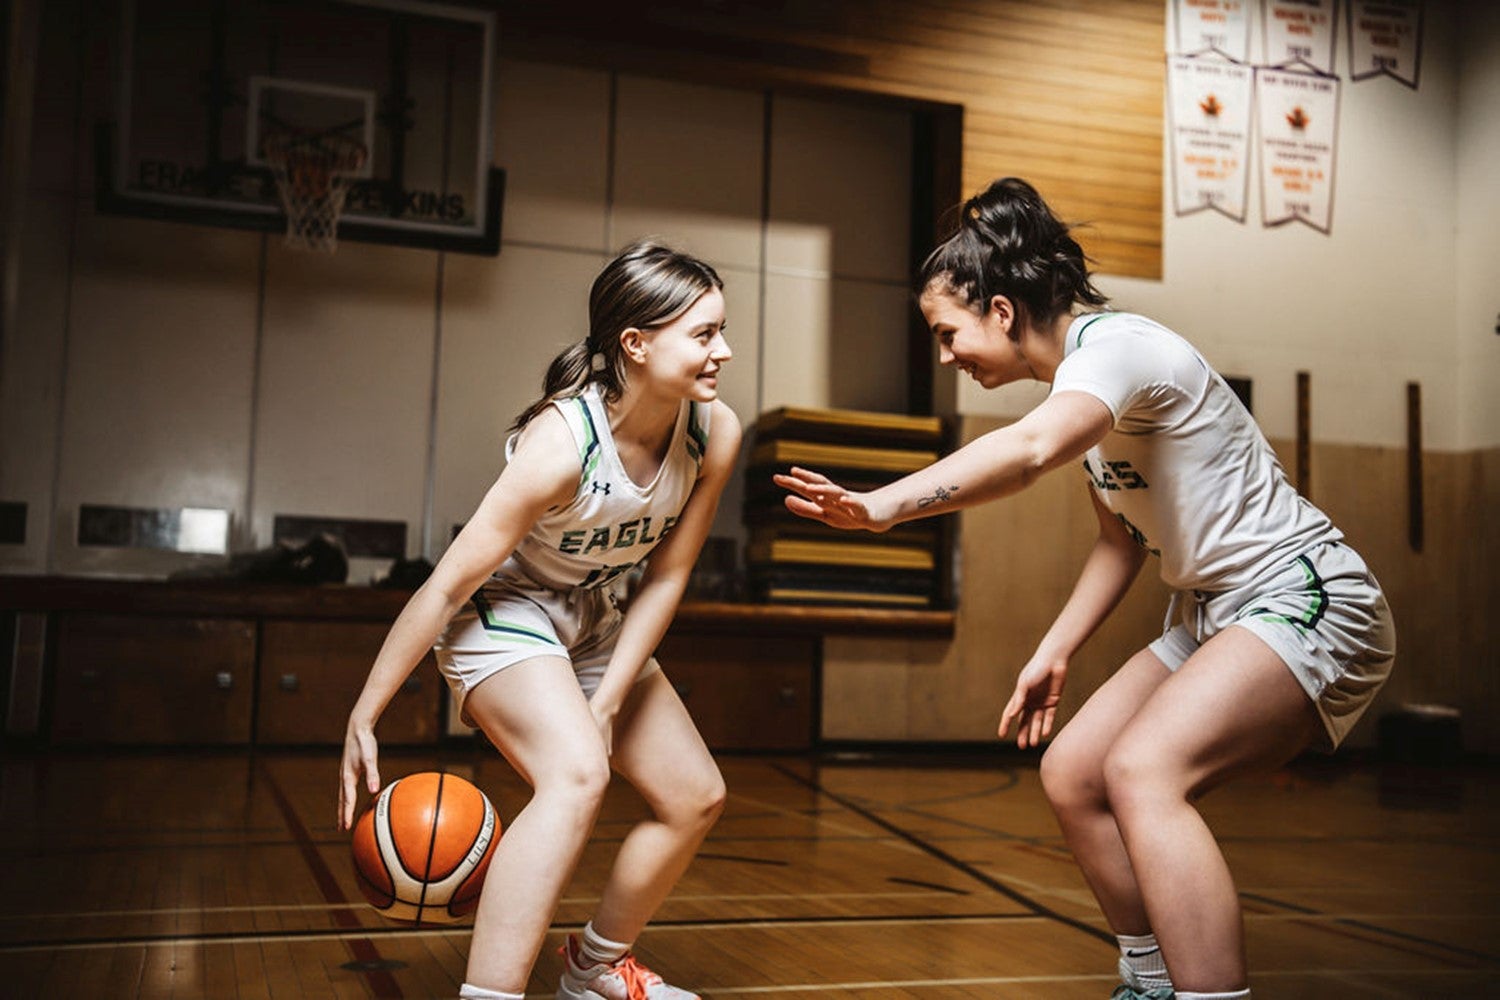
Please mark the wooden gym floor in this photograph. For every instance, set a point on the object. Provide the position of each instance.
(220, 876)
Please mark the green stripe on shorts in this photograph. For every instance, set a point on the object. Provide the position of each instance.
(510, 629)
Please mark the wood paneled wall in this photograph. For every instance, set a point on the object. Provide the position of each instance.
(1020, 557)
(1066, 93)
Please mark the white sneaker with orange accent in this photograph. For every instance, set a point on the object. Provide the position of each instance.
(625, 979)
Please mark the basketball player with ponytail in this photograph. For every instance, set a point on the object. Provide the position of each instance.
(624, 456)
(1276, 640)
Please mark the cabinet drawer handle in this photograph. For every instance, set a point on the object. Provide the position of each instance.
(224, 680)
(788, 695)
(88, 676)
(289, 682)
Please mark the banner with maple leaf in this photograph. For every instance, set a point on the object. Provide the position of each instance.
(1299, 32)
(1209, 107)
(1220, 26)
(1385, 39)
(1297, 114)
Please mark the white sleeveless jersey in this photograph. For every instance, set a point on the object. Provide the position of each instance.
(612, 523)
(1186, 468)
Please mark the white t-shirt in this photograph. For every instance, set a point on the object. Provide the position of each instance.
(612, 523)
(1186, 468)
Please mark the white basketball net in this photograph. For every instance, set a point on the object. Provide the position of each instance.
(312, 173)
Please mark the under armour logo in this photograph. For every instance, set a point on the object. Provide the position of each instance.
(599, 487)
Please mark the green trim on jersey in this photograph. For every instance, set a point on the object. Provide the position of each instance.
(697, 437)
(1078, 341)
(590, 451)
(507, 628)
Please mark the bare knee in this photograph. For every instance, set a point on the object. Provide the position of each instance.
(1137, 779)
(578, 780)
(696, 805)
(1072, 778)
(712, 799)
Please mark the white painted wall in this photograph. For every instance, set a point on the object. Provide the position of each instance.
(1405, 288)
(1477, 267)
(164, 365)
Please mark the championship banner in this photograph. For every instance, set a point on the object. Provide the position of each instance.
(1298, 117)
(1300, 32)
(1386, 38)
(1209, 103)
(1220, 26)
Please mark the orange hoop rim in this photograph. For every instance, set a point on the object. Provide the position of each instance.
(311, 162)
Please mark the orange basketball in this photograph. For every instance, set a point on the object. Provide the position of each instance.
(423, 847)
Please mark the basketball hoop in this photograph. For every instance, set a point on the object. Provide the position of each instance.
(312, 172)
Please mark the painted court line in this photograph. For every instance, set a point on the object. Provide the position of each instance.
(747, 897)
(897, 984)
(394, 933)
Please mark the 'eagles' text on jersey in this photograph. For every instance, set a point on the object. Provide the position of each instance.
(612, 522)
(1186, 468)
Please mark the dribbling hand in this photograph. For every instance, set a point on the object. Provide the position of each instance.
(359, 758)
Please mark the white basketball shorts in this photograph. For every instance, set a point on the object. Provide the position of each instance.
(507, 622)
(1323, 613)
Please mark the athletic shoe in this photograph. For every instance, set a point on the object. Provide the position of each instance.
(1125, 992)
(625, 979)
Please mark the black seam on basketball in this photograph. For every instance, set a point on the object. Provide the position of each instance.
(437, 812)
(364, 879)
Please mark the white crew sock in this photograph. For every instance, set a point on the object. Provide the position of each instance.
(1141, 964)
(593, 949)
(1236, 995)
(470, 992)
(598, 948)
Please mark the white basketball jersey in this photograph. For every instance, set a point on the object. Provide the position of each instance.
(612, 523)
(1186, 468)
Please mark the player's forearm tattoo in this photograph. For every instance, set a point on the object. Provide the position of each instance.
(938, 495)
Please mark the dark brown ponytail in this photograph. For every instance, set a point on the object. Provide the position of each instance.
(1010, 243)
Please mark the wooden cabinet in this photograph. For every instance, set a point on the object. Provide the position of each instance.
(745, 692)
(312, 671)
(206, 663)
(153, 680)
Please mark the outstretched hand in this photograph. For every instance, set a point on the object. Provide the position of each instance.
(1034, 703)
(818, 498)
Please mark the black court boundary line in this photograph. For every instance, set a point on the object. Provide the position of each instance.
(1105, 936)
(1417, 939)
(1280, 904)
(1326, 922)
(951, 890)
(740, 859)
(21, 854)
(1035, 908)
(230, 937)
(361, 949)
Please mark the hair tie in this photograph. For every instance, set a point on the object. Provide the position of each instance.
(596, 363)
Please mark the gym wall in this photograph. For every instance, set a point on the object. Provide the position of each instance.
(162, 364)
(1402, 290)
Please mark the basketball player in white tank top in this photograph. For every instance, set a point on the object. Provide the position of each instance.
(558, 592)
(1284, 639)
(625, 456)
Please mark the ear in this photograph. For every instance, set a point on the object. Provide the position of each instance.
(633, 343)
(1005, 314)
